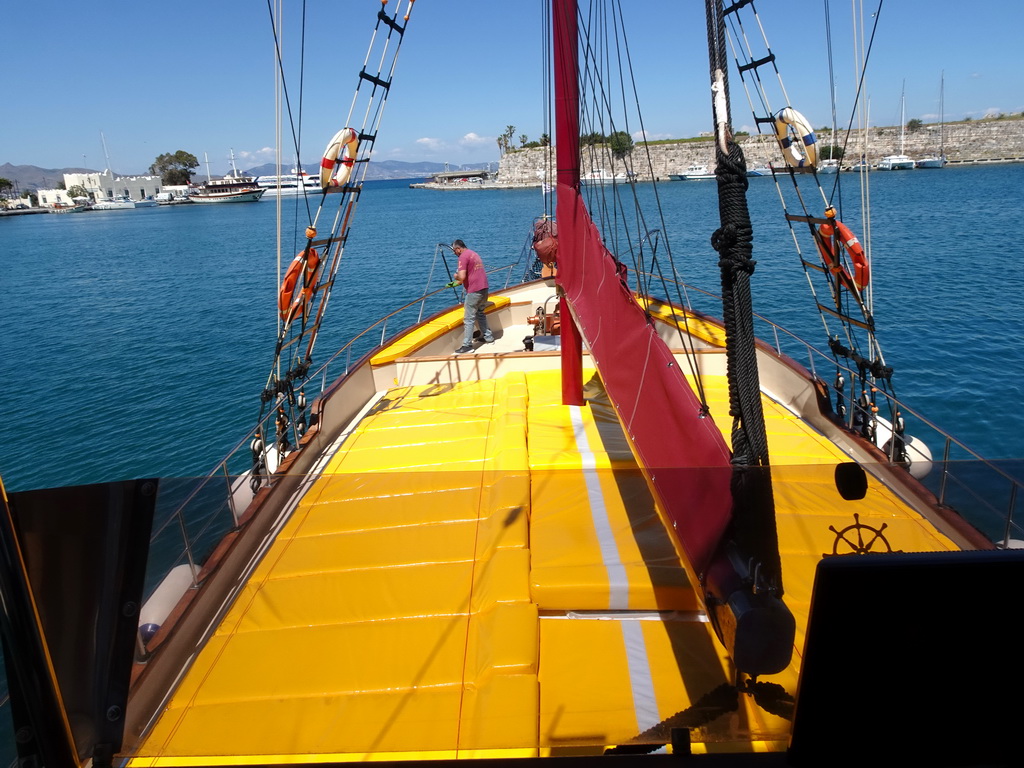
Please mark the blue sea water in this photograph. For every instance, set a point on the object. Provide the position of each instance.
(136, 343)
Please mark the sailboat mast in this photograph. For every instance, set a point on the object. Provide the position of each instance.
(942, 116)
(106, 155)
(903, 117)
(567, 154)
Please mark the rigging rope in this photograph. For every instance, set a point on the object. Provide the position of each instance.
(302, 315)
(856, 334)
(623, 222)
(753, 530)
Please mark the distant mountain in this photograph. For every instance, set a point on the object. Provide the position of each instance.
(379, 169)
(29, 177)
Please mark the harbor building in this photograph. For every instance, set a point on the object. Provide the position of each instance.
(106, 186)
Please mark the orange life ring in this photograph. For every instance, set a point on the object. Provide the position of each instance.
(288, 304)
(339, 159)
(861, 271)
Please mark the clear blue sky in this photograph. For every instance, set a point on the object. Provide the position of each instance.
(197, 75)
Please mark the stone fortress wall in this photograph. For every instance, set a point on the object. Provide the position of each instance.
(979, 141)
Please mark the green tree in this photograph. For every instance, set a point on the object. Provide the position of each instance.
(505, 140)
(621, 144)
(831, 152)
(175, 169)
(913, 124)
(78, 190)
(588, 139)
(523, 139)
(545, 140)
(6, 185)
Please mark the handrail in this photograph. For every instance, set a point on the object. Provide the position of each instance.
(948, 440)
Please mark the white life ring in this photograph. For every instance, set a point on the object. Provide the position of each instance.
(336, 166)
(789, 119)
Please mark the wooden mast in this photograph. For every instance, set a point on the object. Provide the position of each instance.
(567, 157)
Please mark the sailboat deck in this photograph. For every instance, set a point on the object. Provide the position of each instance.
(481, 571)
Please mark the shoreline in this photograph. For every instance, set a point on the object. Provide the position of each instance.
(493, 185)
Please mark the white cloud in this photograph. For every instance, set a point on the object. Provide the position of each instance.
(433, 145)
(645, 136)
(475, 140)
(264, 155)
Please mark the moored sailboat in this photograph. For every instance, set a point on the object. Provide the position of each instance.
(939, 160)
(532, 553)
(900, 161)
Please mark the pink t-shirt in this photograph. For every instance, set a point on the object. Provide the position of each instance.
(476, 277)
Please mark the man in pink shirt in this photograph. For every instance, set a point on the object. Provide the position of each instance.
(471, 274)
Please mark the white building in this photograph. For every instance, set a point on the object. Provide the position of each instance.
(54, 198)
(105, 186)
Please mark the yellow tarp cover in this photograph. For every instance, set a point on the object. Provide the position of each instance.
(597, 542)
(430, 330)
(446, 589)
(703, 329)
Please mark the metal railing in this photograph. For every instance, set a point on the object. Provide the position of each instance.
(983, 492)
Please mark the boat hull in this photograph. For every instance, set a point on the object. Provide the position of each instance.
(895, 163)
(244, 196)
(123, 205)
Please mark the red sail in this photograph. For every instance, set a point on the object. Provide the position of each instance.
(683, 453)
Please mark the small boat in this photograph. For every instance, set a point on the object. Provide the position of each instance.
(761, 170)
(895, 163)
(939, 160)
(78, 208)
(122, 203)
(230, 189)
(603, 176)
(900, 161)
(290, 184)
(695, 172)
(233, 188)
(828, 166)
(168, 198)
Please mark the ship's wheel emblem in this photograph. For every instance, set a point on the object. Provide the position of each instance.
(859, 539)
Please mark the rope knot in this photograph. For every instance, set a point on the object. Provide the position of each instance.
(723, 238)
